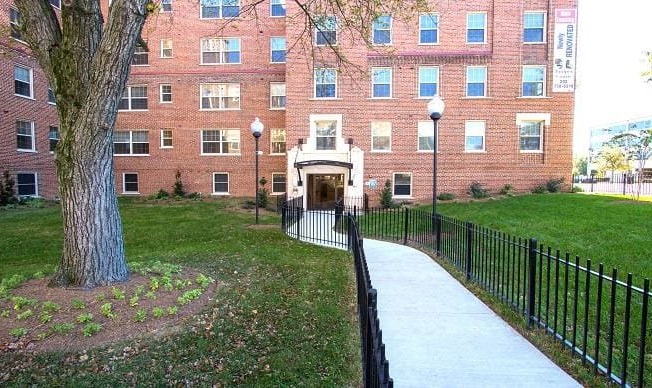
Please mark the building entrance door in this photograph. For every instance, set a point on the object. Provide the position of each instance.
(324, 190)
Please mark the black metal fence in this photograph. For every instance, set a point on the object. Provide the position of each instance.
(599, 318)
(616, 183)
(340, 230)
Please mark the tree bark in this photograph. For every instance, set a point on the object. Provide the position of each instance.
(87, 63)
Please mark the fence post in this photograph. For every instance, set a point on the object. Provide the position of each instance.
(469, 249)
(592, 179)
(532, 268)
(624, 183)
(283, 219)
(298, 214)
(405, 227)
(438, 228)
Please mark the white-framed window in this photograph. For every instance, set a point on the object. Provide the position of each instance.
(474, 135)
(15, 24)
(381, 79)
(222, 51)
(166, 5)
(534, 79)
(277, 47)
(476, 81)
(166, 138)
(220, 183)
(277, 95)
(165, 93)
(325, 83)
(51, 97)
(382, 30)
(220, 141)
(429, 28)
(166, 48)
(23, 81)
(325, 134)
(130, 143)
(476, 27)
(130, 183)
(425, 133)
(56, 3)
(402, 184)
(219, 96)
(531, 136)
(428, 81)
(25, 139)
(219, 9)
(134, 98)
(326, 30)
(381, 136)
(534, 27)
(278, 145)
(279, 182)
(141, 56)
(53, 137)
(27, 184)
(277, 8)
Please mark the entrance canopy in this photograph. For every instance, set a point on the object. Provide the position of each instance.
(308, 163)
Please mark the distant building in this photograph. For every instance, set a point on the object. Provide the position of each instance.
(504, 69)
(600, 135)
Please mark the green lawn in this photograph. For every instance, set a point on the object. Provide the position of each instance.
(612, 230)
(284, 317)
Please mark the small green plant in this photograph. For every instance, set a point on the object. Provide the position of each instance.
(554, 185)
(189, 296)
(140, 316)
(4, 314)
(18, 332)
(386, 199)
(84, 317)
(540, 189)
(162, 194)
(45, 317)
(43, 335)
(477, 191)
(20, 302)
(107, 310)
(117, 293)
(172, 310)
(180, 284)
(139, 290)
(50, 307)
(178, 190)
(63, 327)
(204, 281)
(150, 295)
(78, 304)
(158, 312)
(446, 197)
(166, 280)
(91, 328)
(101, 297)
(133, 301)
(507, 189)
(154, 283)
(12, 282)
(24, 315)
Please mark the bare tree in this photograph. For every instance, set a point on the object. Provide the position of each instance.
(87, 60)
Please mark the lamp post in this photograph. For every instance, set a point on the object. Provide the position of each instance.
(435, 110)
(257, 131)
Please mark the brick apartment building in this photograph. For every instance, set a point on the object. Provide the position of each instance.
(333, 128)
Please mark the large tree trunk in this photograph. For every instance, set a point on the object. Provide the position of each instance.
(87, 62)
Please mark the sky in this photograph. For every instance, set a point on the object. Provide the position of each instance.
(610, 39)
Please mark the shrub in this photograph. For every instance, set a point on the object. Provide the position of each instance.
(178, 189)
(507, 189)
(386, 200)
(477, 190)
(554, 185)
(577, 189)
(446, 197)
(162, 194)
(7, 189)
(540, 189)
(263, 194)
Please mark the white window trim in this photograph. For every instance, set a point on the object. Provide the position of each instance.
(271, 105)
(160, 94)
(131, 142)
(221, 13)
(545, 80)
(484, 39)
(36, 194)
(371, 129)
(33, 136)
(286, 182)
(228, 182)
(485, 83)
(221, 38)
(317, 31)
(541, 117)
(391, 32)
(391, 82)
(394, 184)
(271, 142)
(220, 109)
(128, 87)
(124, 183)
(271, 56)
(276, 16)
(419, 96)
(545, 27)
(51, 138)
(161, 47)
(438, 29)
(314, 83)
(339, 141)
(16, 24)
(484, 136)
(431, 124)
(161, 135)
(31, 83)
(201, 142)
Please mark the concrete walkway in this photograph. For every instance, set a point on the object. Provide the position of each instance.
(438, 334)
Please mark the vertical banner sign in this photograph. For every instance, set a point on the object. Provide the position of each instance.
(563, 70)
